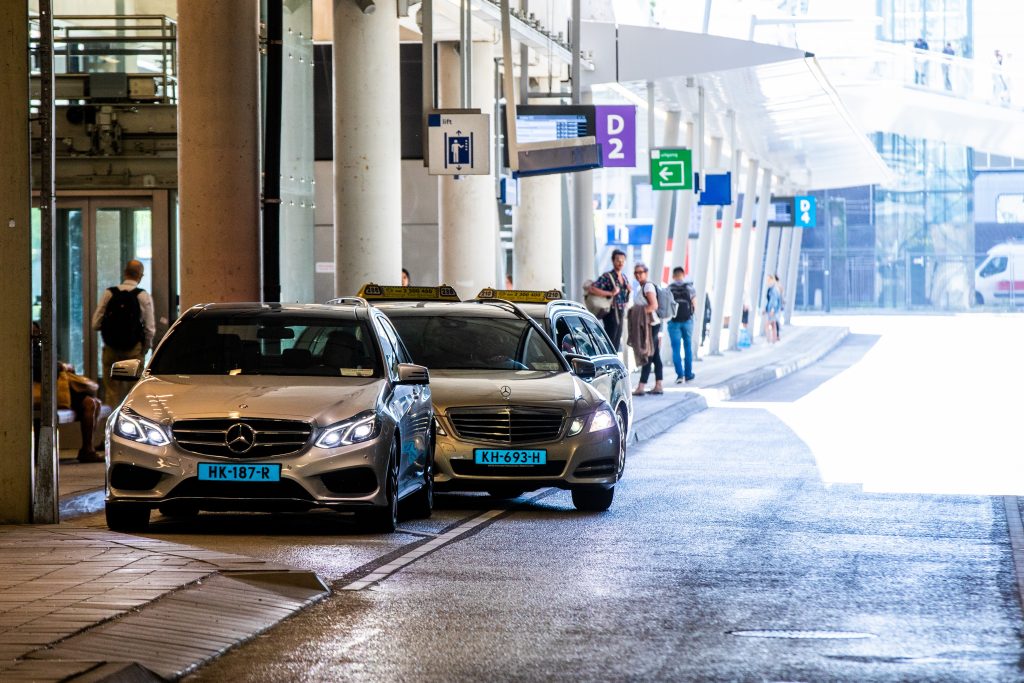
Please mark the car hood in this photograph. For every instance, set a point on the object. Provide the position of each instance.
(321, 400)
(471, 388)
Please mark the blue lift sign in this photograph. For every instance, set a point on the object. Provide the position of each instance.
(806, 214)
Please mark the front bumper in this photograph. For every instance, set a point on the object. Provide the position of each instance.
(587, 458)
(344, 478)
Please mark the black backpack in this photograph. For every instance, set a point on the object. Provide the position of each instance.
(683, 294)
(121, 327)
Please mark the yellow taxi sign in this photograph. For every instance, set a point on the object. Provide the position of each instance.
(374, 292)
(521, 296)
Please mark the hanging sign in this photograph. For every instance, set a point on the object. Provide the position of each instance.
(616, 133)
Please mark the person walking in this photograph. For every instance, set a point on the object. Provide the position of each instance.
(921, 62)
(680, 328)
(772, 307)
(615, 286)
(125, 321)
(645, 302)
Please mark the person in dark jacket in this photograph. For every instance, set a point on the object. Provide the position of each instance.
(680, 327)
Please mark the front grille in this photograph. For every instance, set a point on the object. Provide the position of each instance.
(270, 490)
(133, 478)
(468, 468)
(354, 481)
(270, 437)
(513, 425)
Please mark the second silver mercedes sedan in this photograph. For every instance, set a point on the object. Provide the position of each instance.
(268, 407)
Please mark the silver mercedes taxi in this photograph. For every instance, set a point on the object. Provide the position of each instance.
(512, 414)
(270, 407)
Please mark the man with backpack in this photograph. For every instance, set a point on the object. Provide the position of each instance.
(680, 326)
(125, 320)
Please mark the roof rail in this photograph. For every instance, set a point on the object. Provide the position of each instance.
(510, 305)
(566, 302)
(348, 301)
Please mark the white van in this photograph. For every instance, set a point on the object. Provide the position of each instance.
(1000, 277)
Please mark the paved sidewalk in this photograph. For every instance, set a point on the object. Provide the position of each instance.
(59, 585)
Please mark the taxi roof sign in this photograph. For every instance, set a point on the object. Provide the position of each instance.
(374, 292)
(521, 296)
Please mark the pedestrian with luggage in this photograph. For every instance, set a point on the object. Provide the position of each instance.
(680, 327)
(615, 286)
(645, 312)
(772, 306)
(125, 321)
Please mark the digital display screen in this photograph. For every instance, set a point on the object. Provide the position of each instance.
(780, 213)
(547, 127)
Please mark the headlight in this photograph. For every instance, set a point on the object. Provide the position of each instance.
(577, 426)
(603, 419)
(346, 433)
(137, 428)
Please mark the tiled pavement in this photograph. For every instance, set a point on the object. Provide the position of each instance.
(56, 582)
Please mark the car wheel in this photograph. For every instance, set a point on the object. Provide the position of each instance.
(593, 498)
(620, 420)
(127, 517)
(384, 519)
(421, 503)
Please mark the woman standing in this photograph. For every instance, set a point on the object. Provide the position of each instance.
(644, 314)
(772, 306)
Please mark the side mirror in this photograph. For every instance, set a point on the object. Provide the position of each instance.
(583, 367)
(412, 374)
(126, 370)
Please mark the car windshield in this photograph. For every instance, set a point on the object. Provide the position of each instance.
(453, 342)
(260, 344)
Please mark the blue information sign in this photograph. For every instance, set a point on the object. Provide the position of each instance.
(806, 214)
(635, 234)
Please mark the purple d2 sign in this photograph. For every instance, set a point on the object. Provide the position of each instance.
(616, 133)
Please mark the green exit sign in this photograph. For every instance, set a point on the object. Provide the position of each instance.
(671, 169)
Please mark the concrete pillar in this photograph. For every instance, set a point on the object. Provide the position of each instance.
(771, 258)
(792, 271)
(782, 270)
(218, 151)
(739, 291)
(15, 268)
(367, 147)
(467, 208)
(703, 256)
(663, 210)
(724, 254)
(684, 207)
(537, 234)
(756, 285)
(583, 244)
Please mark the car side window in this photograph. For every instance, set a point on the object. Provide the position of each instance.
(403, 354)
(996, 265)
(600, 337)
(563, 337)
(390, 354)
(584, 344)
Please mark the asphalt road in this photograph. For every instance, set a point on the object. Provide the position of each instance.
(728, 555)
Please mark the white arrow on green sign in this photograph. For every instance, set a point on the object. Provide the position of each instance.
(671, 169)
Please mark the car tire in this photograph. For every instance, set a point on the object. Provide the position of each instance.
(384, 519)
(620, 420)
(593, 498)
(421, 504)
(127, 517)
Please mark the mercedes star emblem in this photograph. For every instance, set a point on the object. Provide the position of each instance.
(506, 391)
(240, 437)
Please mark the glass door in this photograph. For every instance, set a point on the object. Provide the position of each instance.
(69, 336)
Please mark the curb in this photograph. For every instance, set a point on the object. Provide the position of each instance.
(691, 403)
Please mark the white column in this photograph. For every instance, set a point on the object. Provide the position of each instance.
(724, 254)
(792, 272)
(367, 146)
(467, 208)
(537, 234)
(583, 242)
(218, 152)
(771, 258)
(756, 285)
(684, 207)
(703, 256)
(782, 269)
(15, 268)
(663, 210)
(742, 257)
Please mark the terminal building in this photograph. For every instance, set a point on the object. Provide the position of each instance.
(288, 151)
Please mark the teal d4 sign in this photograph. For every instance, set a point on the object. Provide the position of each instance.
(806, 213)
(671, 169)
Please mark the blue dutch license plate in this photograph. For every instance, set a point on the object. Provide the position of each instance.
(209, 471)
(508, 457)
